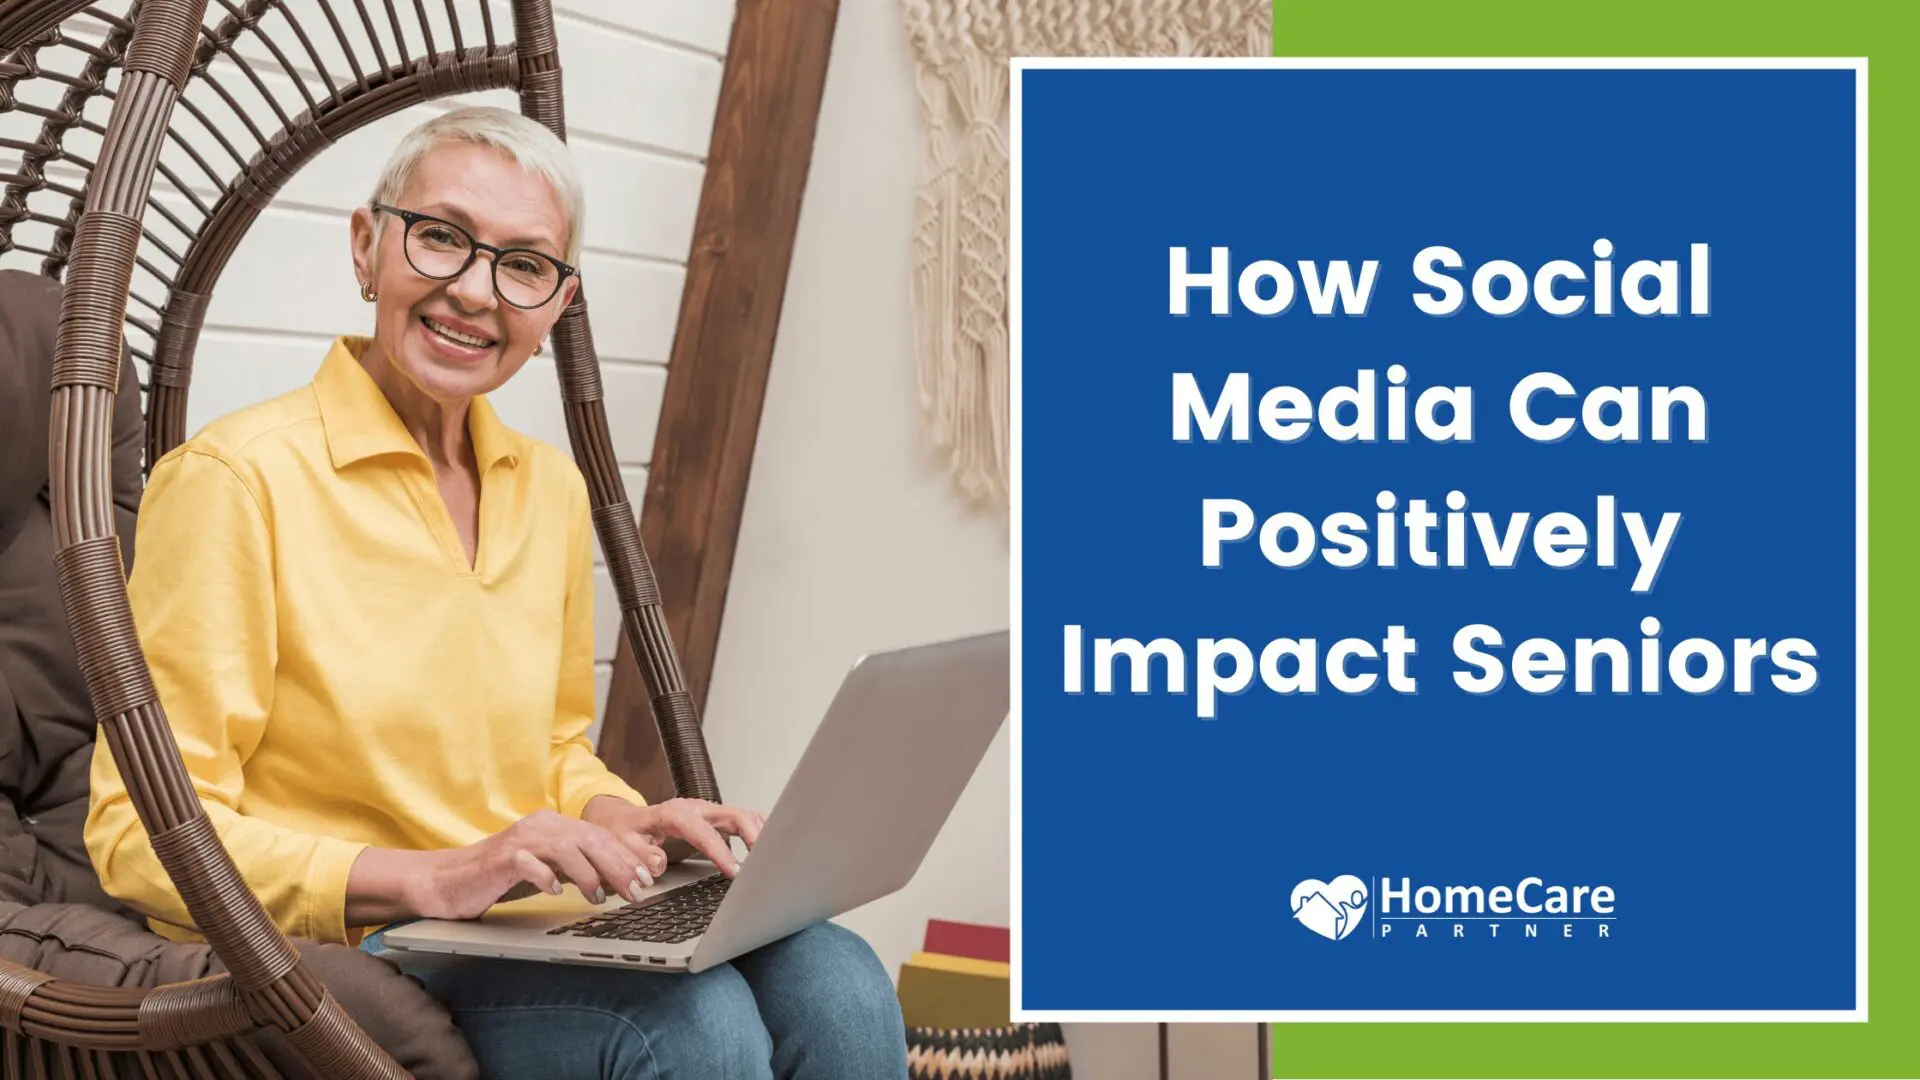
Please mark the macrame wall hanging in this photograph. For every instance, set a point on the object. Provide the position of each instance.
(959, 290)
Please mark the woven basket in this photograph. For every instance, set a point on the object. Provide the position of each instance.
(1015, 1052)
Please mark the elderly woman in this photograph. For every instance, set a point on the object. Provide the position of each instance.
(372, 631)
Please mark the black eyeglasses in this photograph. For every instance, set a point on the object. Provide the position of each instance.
(441, 250)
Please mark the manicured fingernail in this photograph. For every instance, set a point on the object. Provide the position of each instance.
(634, 887)
(557, 889)
(599, 895)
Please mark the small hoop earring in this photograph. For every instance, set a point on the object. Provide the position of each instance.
(367, 293)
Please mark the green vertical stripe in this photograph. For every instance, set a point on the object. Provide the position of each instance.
(1886, 1046)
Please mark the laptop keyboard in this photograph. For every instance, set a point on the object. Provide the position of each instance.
(682, 914)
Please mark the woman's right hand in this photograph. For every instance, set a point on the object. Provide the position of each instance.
(543, 851)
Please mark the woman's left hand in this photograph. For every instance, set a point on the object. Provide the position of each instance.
(703, 824)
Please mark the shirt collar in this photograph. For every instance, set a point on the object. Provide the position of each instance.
(360, 423)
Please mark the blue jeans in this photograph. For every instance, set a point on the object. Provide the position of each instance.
(816, 1005)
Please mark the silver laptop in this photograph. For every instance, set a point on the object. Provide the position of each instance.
(882, 772)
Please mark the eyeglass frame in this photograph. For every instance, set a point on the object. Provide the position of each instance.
(474, 248)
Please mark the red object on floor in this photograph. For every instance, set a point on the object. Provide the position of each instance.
(970, 940)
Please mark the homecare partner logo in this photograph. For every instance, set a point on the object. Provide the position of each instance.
(1530, 909)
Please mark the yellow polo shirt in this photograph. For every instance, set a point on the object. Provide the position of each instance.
(336, 674)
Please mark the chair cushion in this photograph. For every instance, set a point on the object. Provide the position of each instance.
(54, 916)
(25, 320)
(85, 944)
(46, 735)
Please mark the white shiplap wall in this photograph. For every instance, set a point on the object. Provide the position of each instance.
(642, 79)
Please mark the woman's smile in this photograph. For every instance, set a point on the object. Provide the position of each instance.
(456, 340)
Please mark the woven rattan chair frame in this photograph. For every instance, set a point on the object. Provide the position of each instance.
(58, 1028)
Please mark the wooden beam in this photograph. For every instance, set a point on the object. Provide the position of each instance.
(757, 163)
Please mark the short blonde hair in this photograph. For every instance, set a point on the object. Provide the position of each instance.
(528, 142)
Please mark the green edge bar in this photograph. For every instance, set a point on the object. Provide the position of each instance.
(1882, 32)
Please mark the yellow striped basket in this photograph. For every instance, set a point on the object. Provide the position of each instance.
(1015, 1052)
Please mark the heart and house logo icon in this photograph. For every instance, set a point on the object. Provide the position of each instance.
(1331, 909)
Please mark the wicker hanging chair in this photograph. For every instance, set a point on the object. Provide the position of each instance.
(116, 241)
